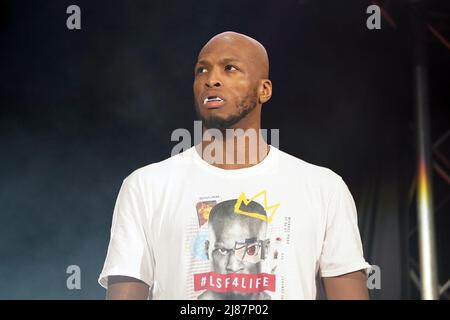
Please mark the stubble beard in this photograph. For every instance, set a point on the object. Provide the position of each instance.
(245, 106)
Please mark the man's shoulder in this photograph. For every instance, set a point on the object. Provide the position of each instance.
(157, 171)
(313, 172)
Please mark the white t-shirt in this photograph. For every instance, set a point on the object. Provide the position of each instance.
(191, 230)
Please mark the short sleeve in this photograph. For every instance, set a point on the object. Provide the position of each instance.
(342, 250)
(130, 250)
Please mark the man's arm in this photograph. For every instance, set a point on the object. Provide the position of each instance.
(350, 286)
(126, 288)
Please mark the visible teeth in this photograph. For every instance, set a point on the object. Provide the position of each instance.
(212, 99)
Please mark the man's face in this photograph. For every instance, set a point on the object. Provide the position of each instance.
(225, 74)
(236, 247)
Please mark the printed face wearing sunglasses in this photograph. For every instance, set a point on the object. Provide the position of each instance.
(250, 251)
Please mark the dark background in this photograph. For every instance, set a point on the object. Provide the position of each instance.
(82, 109)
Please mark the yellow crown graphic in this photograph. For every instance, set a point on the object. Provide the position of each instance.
(243, 198)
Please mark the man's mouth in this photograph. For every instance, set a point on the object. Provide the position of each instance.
(213, 102)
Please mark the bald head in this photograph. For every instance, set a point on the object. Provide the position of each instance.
(223, 216)
(234, 68)
(251, 49)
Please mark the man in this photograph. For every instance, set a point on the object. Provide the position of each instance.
(237, 245)
(158, 235)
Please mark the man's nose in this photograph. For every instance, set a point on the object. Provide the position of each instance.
(213, 80)
(234, 265)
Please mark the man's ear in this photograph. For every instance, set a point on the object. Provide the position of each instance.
(207, 248)
(265, 90)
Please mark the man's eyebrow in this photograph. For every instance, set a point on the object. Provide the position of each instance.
(222, 61)
(227, 60)
(219, 244)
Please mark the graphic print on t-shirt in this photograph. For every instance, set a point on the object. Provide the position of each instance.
(233, 252)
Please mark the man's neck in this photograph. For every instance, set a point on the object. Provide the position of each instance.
(233, 151)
